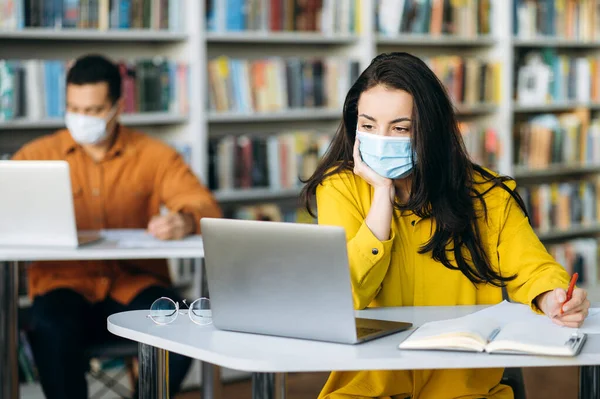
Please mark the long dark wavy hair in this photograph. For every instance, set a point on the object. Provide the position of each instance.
(443, 183)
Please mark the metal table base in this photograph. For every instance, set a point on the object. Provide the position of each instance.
(9, 342)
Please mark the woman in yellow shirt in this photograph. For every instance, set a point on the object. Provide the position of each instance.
(425, 225)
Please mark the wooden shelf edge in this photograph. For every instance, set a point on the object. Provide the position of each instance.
(260, 37)
(553, 42)
(295, 114)
(572, 232)
(554, 170)
(141, 35)
(255, 194)
(432, 41)
(549, 107)
(138, 119)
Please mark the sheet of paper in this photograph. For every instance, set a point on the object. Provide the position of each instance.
(591, 325)
(515, 312)
(140, 238)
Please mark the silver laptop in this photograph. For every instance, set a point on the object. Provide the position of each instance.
(284, 279)
(36, 206)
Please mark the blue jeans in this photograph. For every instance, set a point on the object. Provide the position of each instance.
(64, 323)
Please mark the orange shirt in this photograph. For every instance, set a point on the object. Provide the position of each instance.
(124, 190)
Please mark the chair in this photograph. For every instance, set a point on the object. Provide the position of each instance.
(513, 377)
(126, 350)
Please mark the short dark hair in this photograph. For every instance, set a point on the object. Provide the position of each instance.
(93, 68)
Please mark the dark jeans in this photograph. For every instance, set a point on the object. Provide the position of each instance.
(64, 323)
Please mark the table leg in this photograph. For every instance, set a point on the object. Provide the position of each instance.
(211, 381)
(211, 374)
(269, 386)
(153, 372)
(9, 342)
(589, 382)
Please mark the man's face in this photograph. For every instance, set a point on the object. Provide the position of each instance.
(89, 99)
(93, 100)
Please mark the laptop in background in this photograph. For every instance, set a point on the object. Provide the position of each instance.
(284, 279)
(36, 206)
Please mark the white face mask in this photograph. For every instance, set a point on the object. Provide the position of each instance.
(87, 129)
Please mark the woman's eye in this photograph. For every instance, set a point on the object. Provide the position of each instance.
(367, 127)
(402, 129)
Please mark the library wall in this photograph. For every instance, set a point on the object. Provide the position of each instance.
(251, 91)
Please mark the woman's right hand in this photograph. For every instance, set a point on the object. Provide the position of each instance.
(378, 182)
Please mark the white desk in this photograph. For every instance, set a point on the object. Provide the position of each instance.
(264, 354)
(102, 250)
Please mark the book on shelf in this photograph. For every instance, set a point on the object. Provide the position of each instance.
(35, 89)
(565, 19)
(325, 16)
(482, 144)
(277, 84)
(547, 76)
(510, 328)
(277, 161)
(578, 256)
(271, 212)
(467, 18)
(568, 139)
(92, 14)
(562, 205)
(468, 80)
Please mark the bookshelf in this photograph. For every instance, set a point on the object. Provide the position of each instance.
(196, 46)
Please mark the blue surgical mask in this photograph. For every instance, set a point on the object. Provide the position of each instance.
(390, 157)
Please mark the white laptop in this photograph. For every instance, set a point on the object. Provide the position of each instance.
(284, 279)
(36, 206)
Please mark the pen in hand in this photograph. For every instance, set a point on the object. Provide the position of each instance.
(570, 290)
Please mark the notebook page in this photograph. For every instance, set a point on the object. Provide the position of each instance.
(140, 238)
(478, 329)
(536, 337)
(591, 325)
(507, 312)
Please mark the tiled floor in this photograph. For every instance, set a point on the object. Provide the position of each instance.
(540, 383)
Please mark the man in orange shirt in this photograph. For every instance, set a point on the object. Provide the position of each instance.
(120, 179)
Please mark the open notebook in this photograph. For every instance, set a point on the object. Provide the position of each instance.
(503, 328)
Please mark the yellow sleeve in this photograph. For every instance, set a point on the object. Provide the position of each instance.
(520, 252)
(368, 257)
(181, 191)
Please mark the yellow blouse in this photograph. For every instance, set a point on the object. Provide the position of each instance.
(394, 273)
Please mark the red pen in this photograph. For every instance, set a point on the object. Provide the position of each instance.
(570, 290)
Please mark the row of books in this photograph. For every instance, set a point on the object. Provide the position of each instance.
(569, 19)
(325, 16)
(468, 80)
(482, 144)
(568, 138)
(92, 14)
(35, 89)
(547, 76)
(277, 83)
(578, 256)
(463, 18)
(279, 161)
(562, 205)
(276, 161)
